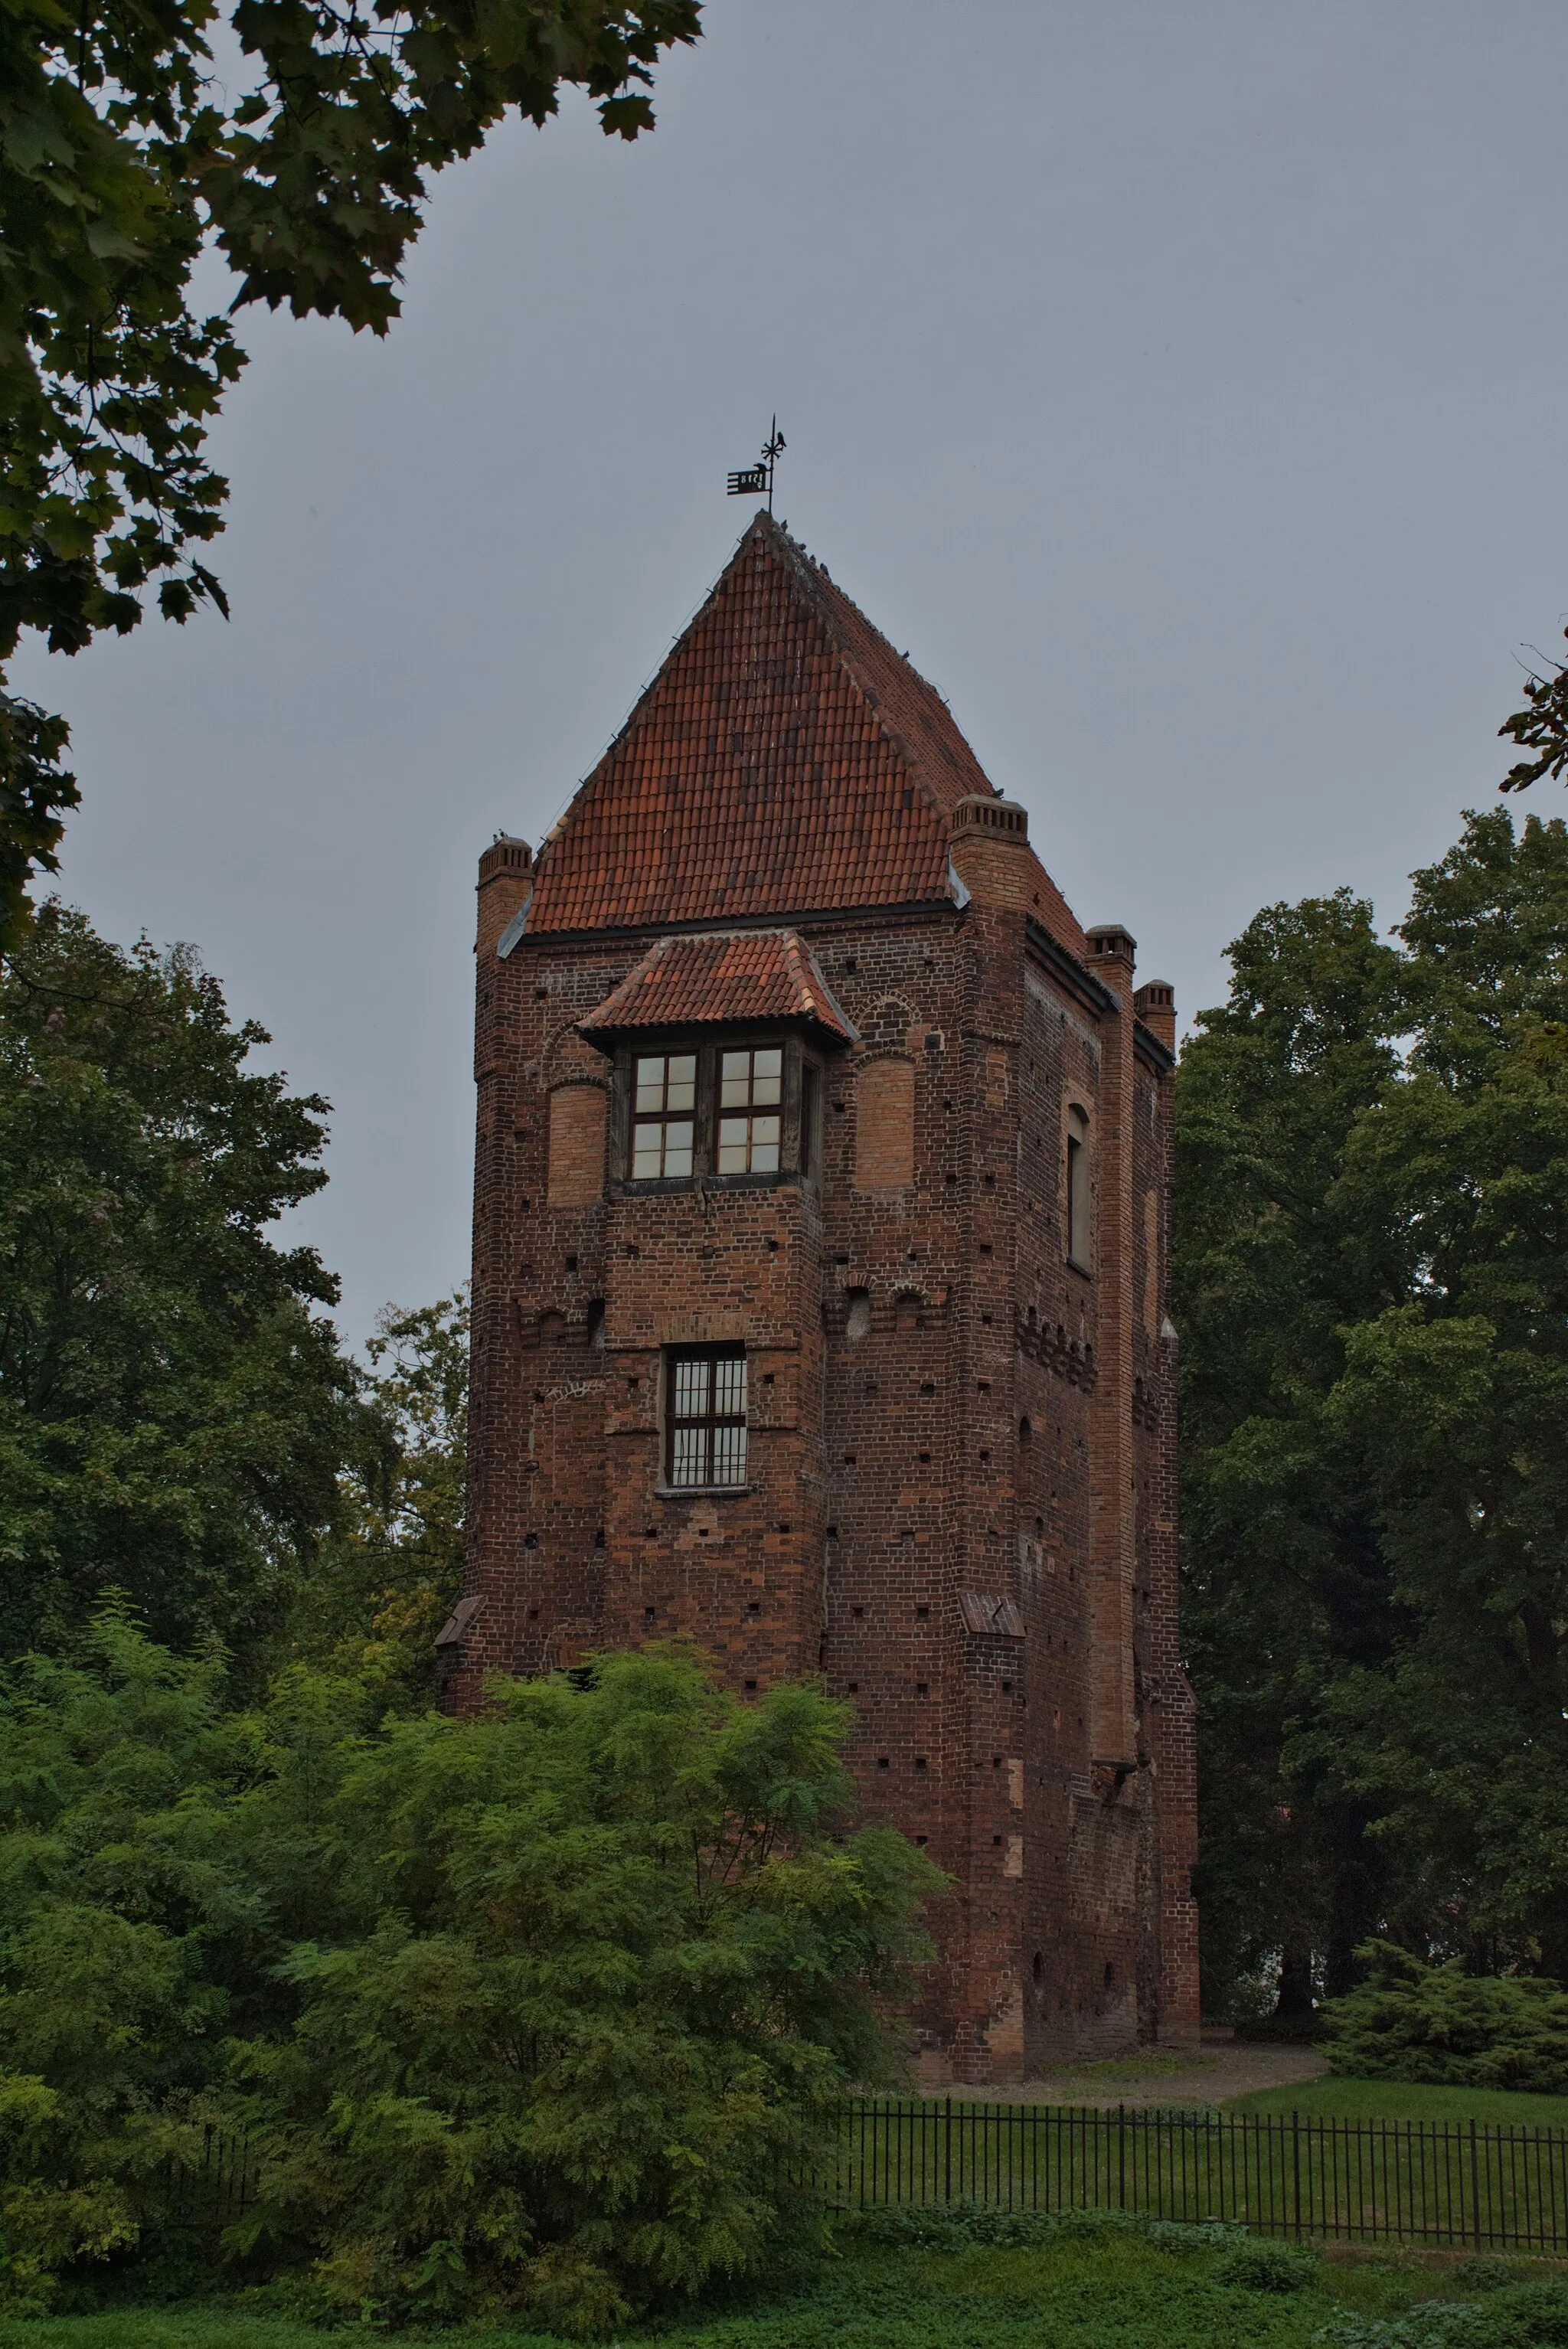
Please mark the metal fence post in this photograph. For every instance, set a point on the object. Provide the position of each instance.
(947, 2153)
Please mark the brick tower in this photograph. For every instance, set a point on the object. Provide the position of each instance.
(821, 1258)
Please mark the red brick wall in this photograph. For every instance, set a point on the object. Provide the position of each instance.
(576, 1145)
(884, 1125)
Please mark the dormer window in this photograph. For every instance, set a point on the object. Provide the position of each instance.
(718, 1043)
(750, 1110)
(716, 1111)
(664, 1116)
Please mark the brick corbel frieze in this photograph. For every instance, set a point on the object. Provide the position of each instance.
(1064, 1357)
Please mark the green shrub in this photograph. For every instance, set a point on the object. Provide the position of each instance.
(1521, 2316)
(1485, 2272)
(597, 1975)
(956, 2226)
(1531, 2314)
(1431, 2325)
(1441, 2025)
(117, 1775)
(544, 2011)
(1261, 2265)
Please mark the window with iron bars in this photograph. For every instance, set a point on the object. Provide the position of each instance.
(704, 1415)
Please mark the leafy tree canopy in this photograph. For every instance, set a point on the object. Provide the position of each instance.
(387, 1573)
(296, 140)
(1451, 1403)
(1372, 1274)
(544, 2010)
(1541, 726)
(173, 1407)
(1283, 1575)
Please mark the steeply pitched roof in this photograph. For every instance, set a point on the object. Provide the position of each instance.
(722, 975)
(784, 761)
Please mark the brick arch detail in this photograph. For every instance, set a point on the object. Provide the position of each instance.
(889, 1026)
(567, 1059)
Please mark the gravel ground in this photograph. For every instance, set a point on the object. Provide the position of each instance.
(1222, 2068)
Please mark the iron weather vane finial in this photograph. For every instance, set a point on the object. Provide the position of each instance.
(757, 481)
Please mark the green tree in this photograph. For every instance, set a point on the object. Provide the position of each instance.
(385, 1576)
(1372, 1275)
(173, 1407)
(599, 1967)
(1452, 1405)
(125, 149)
(1541, 726)
(1283, 1575)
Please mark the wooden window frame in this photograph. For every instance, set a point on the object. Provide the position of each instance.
(800, 1146)
(679, 1118)
(752, 1114)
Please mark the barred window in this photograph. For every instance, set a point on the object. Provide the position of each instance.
(665, 1116)
(751, 1098)
(705, 1439)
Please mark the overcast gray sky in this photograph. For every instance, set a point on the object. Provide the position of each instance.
(1184, 387)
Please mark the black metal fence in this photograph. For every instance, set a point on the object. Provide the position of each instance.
(1449, 2182)
(218, 2185)
(1281, 2174)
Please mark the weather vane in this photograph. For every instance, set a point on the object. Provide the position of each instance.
(757, 481)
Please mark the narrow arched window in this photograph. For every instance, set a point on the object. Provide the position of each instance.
(1078, 1186)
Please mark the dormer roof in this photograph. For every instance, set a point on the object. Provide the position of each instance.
(785, 760)
(726, 977)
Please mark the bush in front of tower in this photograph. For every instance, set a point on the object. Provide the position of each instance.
(545, 2011)
(599, 1974)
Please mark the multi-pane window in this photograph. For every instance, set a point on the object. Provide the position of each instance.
(750, 1110)
(723, 1112)
(705, 1415)
(664, 1120)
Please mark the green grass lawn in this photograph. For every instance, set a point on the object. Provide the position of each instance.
(1103, 2285)
(1395, 2100)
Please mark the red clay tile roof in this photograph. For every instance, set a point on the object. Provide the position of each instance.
(727, 975)
(784, 761)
